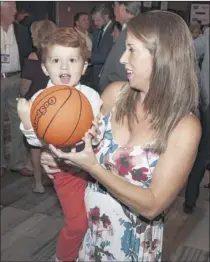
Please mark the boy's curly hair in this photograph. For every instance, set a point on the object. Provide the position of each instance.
(67, 37)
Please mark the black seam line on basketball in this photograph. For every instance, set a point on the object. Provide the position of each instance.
(56, 114)
(78, 118)
(41, 101)
(47, 95)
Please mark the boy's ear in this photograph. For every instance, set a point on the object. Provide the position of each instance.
(85, 67)
(44, 69)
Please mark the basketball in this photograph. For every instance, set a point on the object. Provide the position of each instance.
(61, 115)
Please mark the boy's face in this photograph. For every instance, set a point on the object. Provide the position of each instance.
(64, 65)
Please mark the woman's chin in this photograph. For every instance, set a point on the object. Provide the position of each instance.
(133, 87)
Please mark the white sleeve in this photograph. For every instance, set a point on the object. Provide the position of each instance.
(29, 134)
(36, 94)
(96, 103)
(93, 97)
(199, 44)
(31, 137)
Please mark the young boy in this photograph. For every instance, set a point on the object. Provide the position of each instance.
(64, 61)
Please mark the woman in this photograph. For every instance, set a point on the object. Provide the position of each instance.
(33, 79)
(149, 144)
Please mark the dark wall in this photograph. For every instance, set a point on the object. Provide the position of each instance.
(66, 10)
(38, 9)
(63, 12)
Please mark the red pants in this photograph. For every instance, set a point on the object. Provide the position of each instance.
(70, 190)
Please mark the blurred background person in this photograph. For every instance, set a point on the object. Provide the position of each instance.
(102, 41)
(21, 15)
(16, 45)
(195, 30)
(116, 31)
(112, 70)
(202, 159)
(81, 25)
(34, 79)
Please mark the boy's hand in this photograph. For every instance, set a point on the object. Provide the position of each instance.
(24, 109)
(97, 130)
(94, 131)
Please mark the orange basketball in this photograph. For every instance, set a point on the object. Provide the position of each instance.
(61, 115)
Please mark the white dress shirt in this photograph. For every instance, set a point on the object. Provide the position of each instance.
(91, 95)
(9, 48)
(105, 28)
(199, 44)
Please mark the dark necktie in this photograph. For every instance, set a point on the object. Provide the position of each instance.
(100, 33)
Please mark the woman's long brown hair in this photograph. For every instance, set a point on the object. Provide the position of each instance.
(173, 91)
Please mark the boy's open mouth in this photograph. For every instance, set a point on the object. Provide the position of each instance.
(65, 78)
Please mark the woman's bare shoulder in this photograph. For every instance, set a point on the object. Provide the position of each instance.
(188, 128)
(110, 94)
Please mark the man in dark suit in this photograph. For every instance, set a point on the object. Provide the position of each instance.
(113, 70)
(16, 45)
(102, 41)
(198, 170)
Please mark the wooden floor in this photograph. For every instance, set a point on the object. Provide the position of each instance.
(30, 223)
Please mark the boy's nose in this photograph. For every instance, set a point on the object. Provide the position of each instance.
(64, 66)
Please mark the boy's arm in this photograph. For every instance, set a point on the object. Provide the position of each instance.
(31, 137)
(25, 125)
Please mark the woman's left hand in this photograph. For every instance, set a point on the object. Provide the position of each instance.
(85, 159)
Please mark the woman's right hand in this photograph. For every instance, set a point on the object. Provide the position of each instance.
(49, 163)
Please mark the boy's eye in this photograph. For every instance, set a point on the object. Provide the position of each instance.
(72, 60)
(55, 60)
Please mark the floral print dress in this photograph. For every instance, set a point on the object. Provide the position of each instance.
(116, 233)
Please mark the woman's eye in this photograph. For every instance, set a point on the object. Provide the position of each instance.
(131, 50)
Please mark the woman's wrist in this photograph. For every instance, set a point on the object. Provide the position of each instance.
(95, 170)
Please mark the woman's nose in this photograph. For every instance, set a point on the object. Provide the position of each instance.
(123, 58)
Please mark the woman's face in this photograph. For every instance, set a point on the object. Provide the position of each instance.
(138, 63)
(115, 33)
